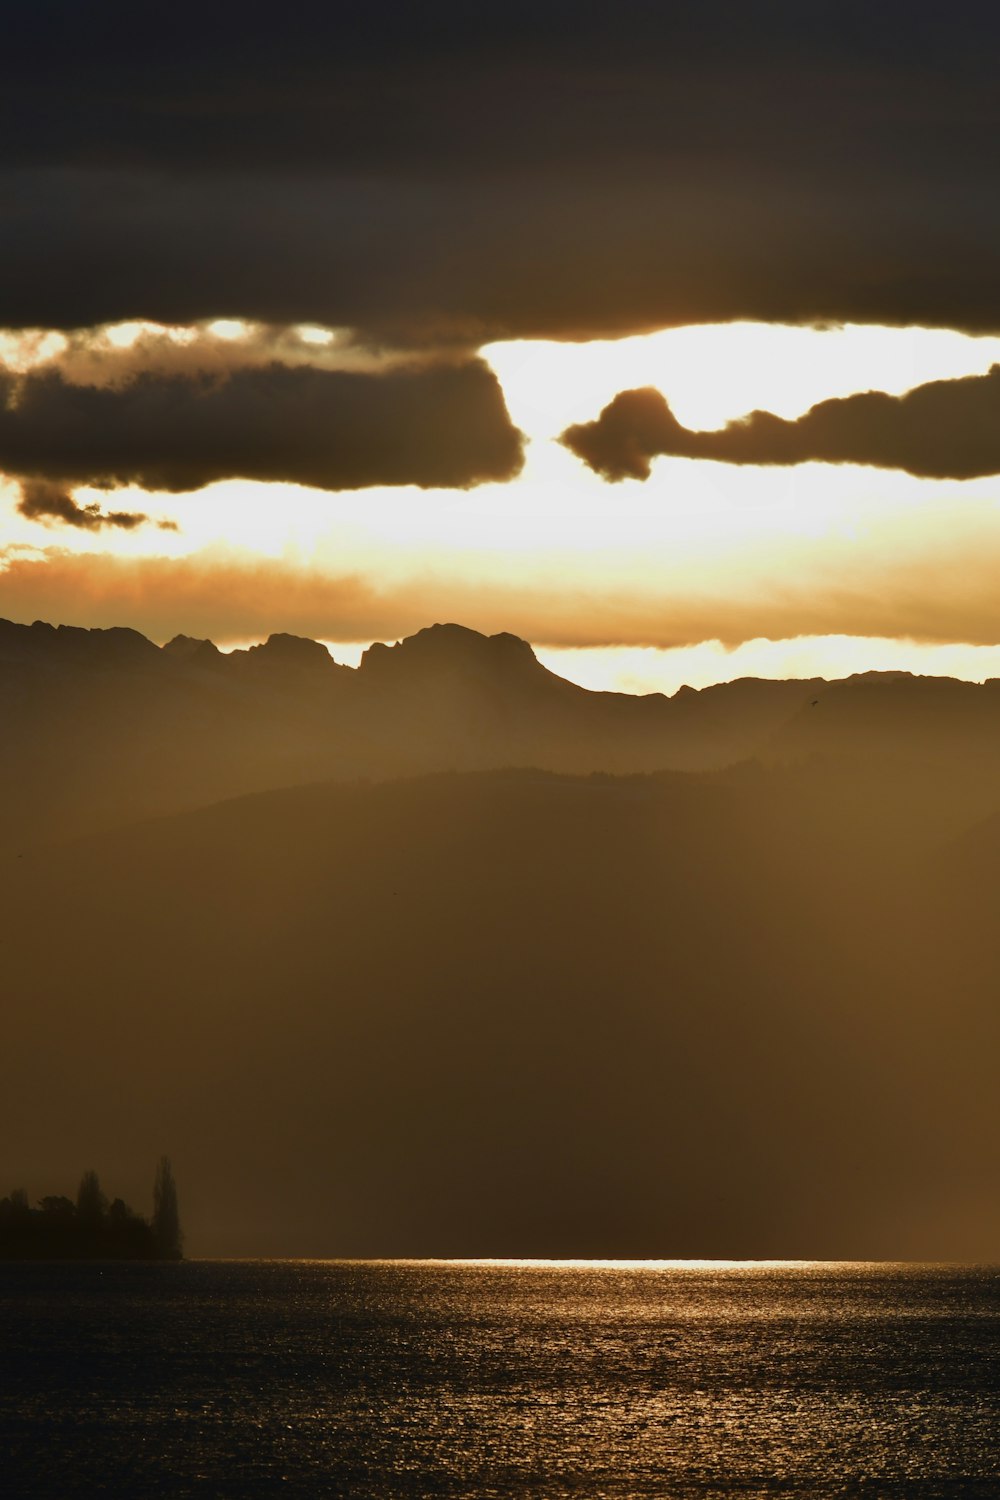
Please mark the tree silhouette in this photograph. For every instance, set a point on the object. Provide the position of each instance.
(166, 1218)
(58, 1206)
(19, 1201)
(90, 1229)
(91, 1204)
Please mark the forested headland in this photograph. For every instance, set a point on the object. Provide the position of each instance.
(92, 1227)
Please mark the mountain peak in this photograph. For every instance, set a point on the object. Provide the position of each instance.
(186, 648)
(448, 647)
(283, 650)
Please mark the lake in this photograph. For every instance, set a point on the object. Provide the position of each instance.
(385, 1379)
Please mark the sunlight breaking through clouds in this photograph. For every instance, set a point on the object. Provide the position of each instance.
(715, 372)
(632, 587)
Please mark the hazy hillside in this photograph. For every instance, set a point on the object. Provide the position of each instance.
(936, 720)
(453, 1014)
(103, 726)
(744, 998)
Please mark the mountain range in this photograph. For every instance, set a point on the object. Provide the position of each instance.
(103, 726)
(446, 955)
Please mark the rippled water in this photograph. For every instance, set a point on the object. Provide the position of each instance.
(417, 1379)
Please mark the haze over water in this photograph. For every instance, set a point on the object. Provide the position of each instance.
(388, 1379)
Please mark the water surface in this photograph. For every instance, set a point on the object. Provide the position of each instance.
(384, 1379)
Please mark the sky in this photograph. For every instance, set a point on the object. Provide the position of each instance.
(667, 338)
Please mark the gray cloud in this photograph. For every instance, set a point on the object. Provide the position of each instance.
(42, 500)
(457, 171)
(947, 429)
(443, 424)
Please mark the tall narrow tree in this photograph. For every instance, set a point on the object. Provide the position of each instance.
(91, 1204)
(166, 1218)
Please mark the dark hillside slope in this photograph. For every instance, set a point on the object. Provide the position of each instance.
(515, 1014)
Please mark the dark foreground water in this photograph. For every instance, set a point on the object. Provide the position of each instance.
(315, 1378)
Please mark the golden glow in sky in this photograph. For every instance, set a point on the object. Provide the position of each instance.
(711, 374)
(704, 572)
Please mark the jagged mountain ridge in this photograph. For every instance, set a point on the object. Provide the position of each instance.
(103, 726)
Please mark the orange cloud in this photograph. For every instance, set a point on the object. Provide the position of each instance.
(237, 599)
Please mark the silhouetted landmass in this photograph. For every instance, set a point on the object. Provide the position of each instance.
(155, 730)
(741, 1007)
(91, 1228)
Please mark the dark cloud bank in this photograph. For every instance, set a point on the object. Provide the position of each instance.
(947, 429)
(453, 171)
(432, 425)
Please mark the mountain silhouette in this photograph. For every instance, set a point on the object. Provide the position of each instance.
(154, 730)
(896, 713)
(105, 727)
(446, 955)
